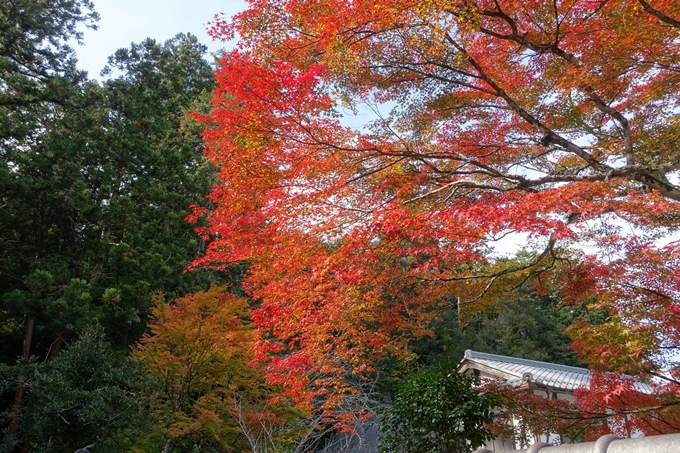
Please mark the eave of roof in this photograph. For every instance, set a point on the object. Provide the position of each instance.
(550, 375)
(516, 371)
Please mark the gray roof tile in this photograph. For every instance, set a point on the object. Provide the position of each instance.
(559, 377)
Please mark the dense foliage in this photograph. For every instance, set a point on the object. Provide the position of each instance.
(551, 121)
(530, 327)
(93, 222)
(95, 182)
(88, 395)
(359, 252)
(437, 411)
(38, 70)
(199, 349)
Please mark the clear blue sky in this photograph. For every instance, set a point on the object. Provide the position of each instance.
(126, 21)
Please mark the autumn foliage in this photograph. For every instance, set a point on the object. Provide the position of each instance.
(611, 404)
(199, 350)
(553, 122)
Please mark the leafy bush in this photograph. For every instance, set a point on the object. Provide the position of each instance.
(437, 411)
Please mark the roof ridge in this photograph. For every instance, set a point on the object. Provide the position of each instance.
(471, 355)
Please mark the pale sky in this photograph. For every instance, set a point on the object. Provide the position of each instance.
(126, 21)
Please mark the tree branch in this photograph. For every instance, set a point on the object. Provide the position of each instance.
(659, 15)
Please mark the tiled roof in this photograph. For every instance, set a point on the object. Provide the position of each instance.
(365, 440)
(559, 377)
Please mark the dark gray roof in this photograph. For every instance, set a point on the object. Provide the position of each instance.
(558, 377)
(365, 440)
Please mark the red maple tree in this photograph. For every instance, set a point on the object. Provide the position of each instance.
(557, 121)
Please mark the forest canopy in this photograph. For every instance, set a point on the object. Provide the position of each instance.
(248, 253)
(553, 122)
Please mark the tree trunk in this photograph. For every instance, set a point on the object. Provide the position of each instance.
(56, 345)
(13, 424)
